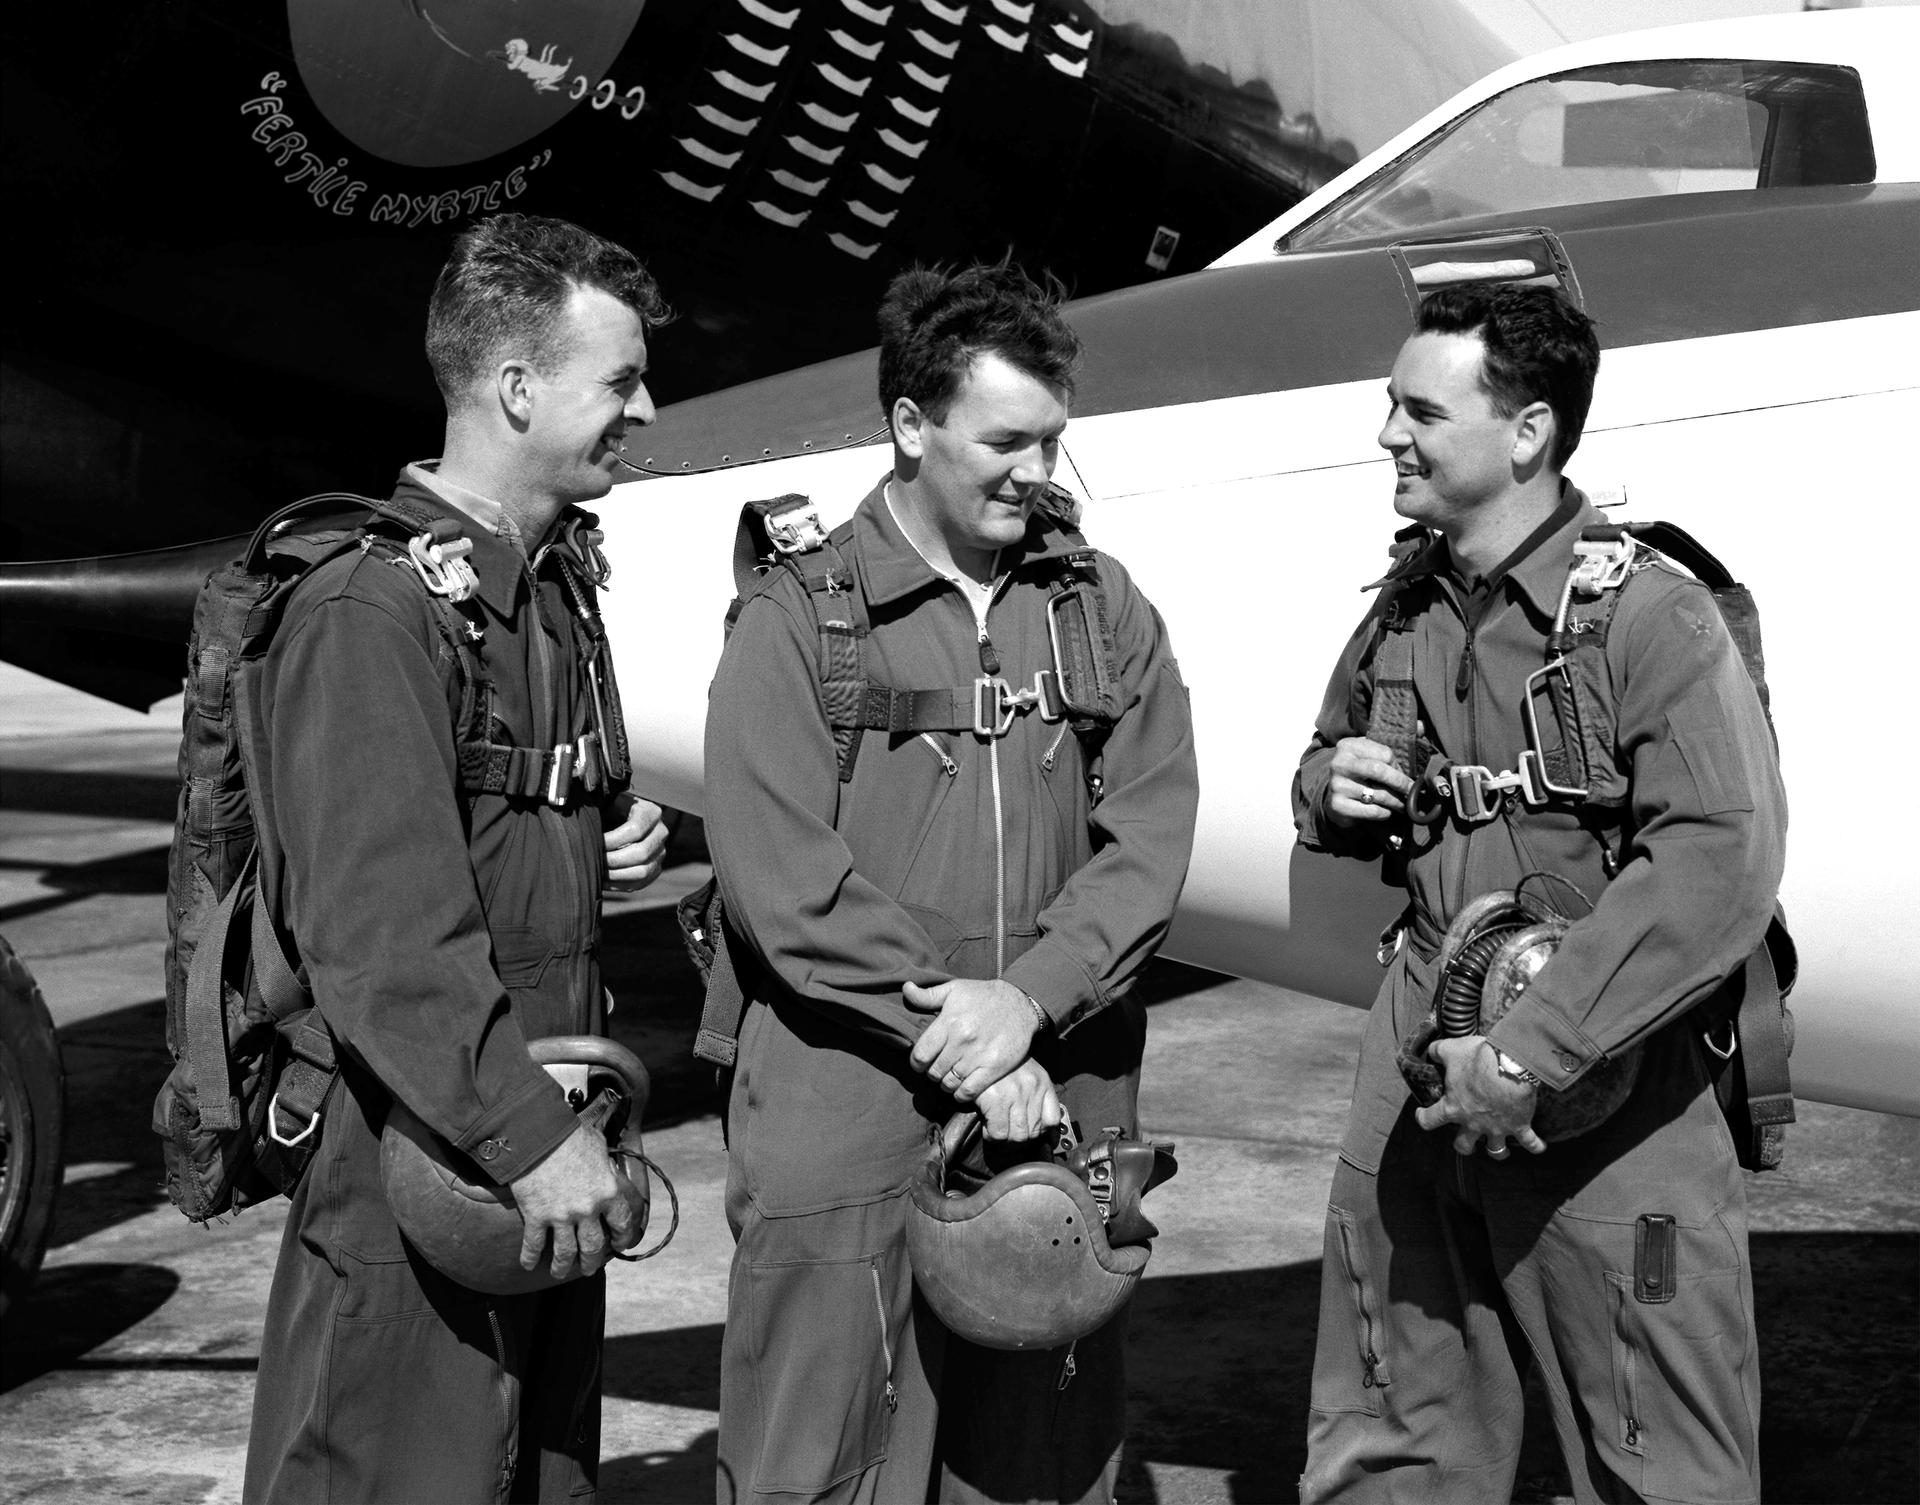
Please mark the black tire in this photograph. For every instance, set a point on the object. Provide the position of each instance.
(33, 1094)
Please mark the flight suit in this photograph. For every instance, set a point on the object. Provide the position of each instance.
(1443, 1273)
(947, 855)
(440, 932)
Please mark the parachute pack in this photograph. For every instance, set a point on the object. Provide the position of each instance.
(239, 1116)
(786, 534)
(1747, 1029)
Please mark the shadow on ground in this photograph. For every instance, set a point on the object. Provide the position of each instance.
(62, 791)
(1220, 1366)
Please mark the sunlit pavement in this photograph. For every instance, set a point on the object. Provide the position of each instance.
(129, 1373)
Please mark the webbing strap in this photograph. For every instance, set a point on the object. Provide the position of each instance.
(302, 1087)
(889, 710)
(205, 1013)
(1763, 1044)
(1394, 718)
(280, 986)
(206, 1007)
(517, 772)
(718, 1039)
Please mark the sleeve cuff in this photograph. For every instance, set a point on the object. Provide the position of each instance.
(1541, 1039)
(512, 1138)
(1059, 984)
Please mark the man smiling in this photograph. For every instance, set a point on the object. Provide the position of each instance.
(948, 912)
(435, 840)
(1614, 1258)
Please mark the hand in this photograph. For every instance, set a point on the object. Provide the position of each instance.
(1021, 1104)
(637, 847)
(1365, 784)
(1480, 1101)
(574, 1196)
(985, 1028)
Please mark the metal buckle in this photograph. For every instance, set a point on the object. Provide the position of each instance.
(587, 761)
(560, 777)
(1471, 783)
(992, 716)
(1534, 761)
(443, 567)
(797, 531)
(996, 703)
(1733, 1041)
(273, 1126)
(1053, 703)
(1533, 778)
(592, 557)
(1601, 566)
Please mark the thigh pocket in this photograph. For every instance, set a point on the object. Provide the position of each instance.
(1683, 1428)
(824, 1334)
(420, 1403)
(1351, 1368)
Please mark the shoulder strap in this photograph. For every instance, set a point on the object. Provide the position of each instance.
(1736, 603)
(1393, 718)
(1080, 623)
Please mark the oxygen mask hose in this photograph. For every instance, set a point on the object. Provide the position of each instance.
(1459, 1001)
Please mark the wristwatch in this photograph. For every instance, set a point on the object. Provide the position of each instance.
(1511, 1069)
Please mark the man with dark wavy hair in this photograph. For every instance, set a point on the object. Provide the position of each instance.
(1614, 1258)
(956, 920)
(446, 917)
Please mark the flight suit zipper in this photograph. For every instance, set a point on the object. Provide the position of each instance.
(947, 765)
(509, 1457)
(990, 664)
(1373, 1368)
(892, 1396)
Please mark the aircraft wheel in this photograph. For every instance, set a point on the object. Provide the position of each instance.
(33, 1090)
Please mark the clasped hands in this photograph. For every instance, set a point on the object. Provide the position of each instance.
(979, 1048)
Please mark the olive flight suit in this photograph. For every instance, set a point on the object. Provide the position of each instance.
(948, 855)
(1444, 1273)
(440, 932)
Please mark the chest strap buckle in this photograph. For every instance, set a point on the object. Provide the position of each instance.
(1476, 789)
(996, 703)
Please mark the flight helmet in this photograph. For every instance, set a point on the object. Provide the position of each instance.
(1493, 950)
(1046, 1251)
(466, 1226)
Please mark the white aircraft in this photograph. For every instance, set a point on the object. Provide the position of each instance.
(1736, 203)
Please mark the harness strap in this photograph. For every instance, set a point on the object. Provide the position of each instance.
(551, 774)
(1763, 1041)
(305, 1082)
(718, 1039)
(205, 1012)
(885, 709)
(284, 992)
(1394, 718)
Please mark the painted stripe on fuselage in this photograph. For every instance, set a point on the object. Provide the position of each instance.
(1651, 270)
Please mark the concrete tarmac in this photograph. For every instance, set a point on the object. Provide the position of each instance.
(128, 1374)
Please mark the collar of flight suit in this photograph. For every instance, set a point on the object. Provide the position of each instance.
(891, 567)
(1538, 570)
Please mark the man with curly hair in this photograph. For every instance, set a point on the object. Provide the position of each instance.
(955, 920)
